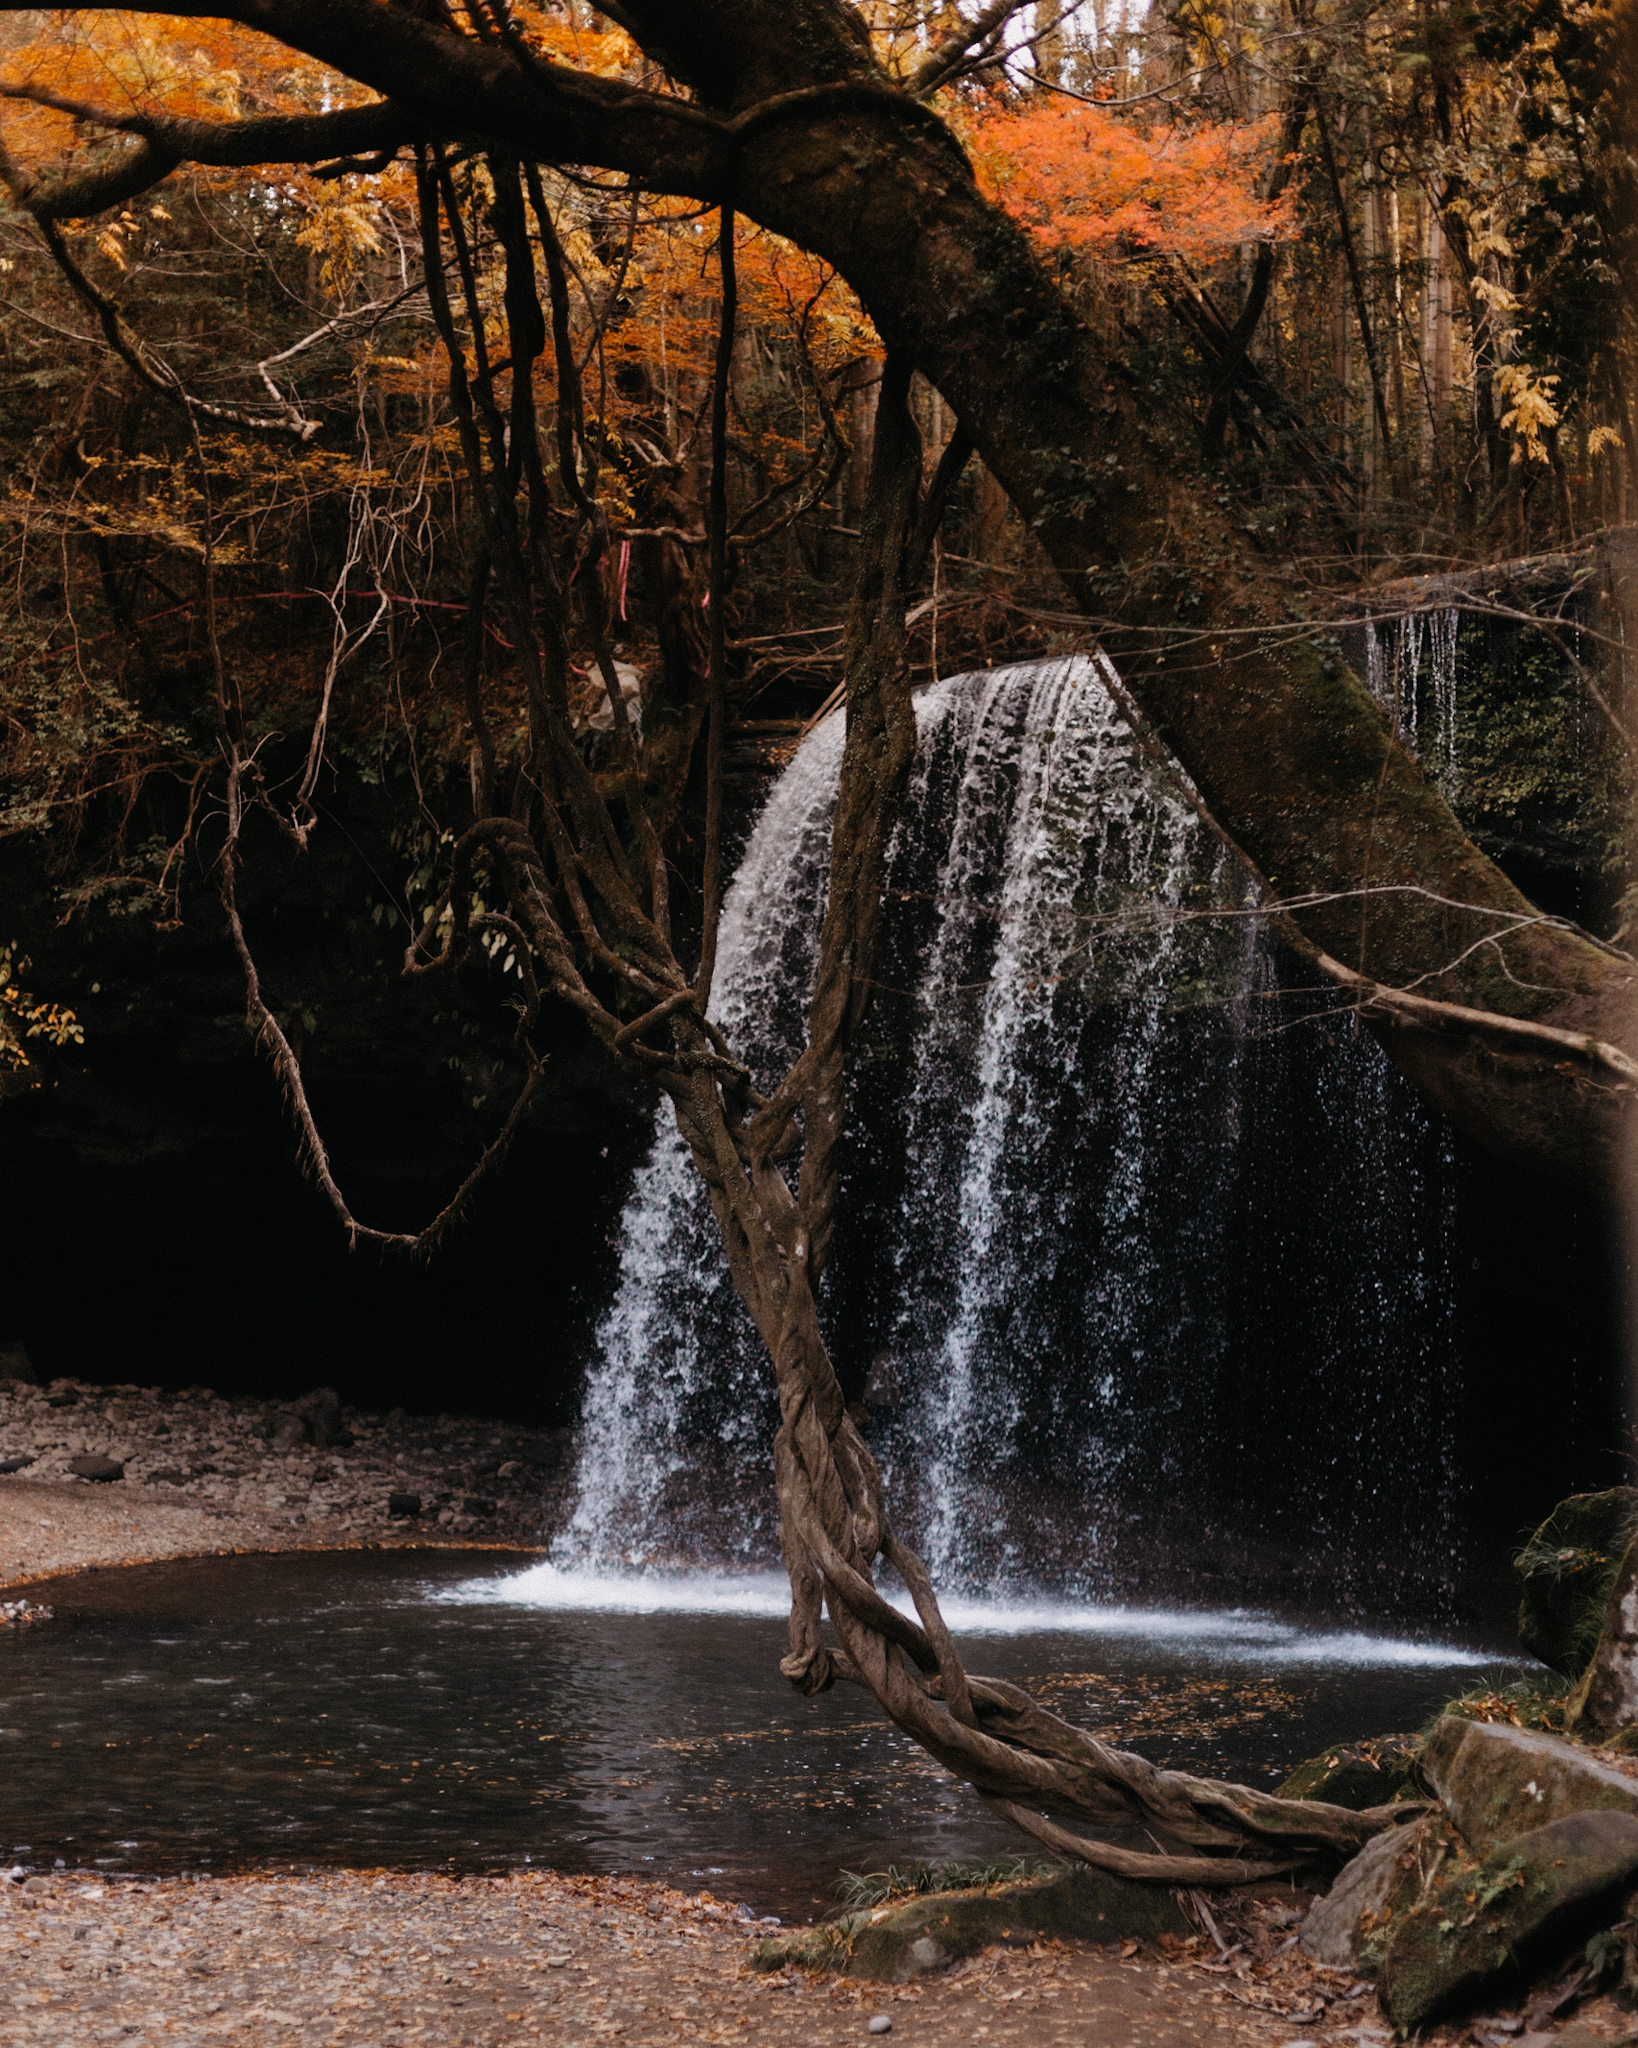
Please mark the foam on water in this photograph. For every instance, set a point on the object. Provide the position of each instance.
(1238, 1635)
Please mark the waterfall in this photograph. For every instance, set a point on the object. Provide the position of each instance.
(1425, 703)
(1141, 1265)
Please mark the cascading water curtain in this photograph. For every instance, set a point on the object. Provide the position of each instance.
(1141, 1269)
(1411, 666)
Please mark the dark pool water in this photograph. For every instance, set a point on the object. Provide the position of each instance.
(438, 1710)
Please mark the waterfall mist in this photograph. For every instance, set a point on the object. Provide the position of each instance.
(1142, 1263)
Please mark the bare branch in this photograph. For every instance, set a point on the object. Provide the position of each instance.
(981, 33)
(1399, 1006)
(718, 524)
(169, 139)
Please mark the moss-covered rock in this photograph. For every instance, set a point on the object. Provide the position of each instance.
(894, 1943)
(1497, 1783)
(1568, 1569)
(1359, 1774)
(1605, 1703)
(1481, 1930)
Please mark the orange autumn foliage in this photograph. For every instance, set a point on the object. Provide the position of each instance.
(129, 63)
(1080, 178)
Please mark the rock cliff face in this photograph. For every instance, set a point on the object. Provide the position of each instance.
(157, 1225)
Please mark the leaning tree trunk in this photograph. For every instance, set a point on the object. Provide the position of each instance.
(790, 120)
(1290, 754)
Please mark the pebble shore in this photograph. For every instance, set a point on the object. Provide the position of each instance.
(193, 1458)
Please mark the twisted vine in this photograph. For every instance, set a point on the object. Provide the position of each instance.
(586, 908)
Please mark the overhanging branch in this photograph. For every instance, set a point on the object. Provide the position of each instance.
(166, 140)
(1399, 1006)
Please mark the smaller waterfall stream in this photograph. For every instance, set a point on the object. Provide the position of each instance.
(1425, 705)
(1140, 1271)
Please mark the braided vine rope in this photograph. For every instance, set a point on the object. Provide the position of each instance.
(1025, 1762)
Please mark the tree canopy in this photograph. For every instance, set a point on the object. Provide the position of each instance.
(1230, 309)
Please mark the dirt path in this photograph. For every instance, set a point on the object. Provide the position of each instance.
(357, 1958)
(361, 1960)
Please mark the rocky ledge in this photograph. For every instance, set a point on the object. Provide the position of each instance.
(1513, 1885)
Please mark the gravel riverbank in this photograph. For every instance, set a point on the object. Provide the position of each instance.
(175, 1474)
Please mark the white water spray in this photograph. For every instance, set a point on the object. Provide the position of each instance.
(1072, 1252)
(1426, 704)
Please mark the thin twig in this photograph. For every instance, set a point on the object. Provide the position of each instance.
(718, 679)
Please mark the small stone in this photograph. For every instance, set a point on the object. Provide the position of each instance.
(403, 1507)
(92, 1467)
(18, 1464)
(879, 2024)
(287, 1433)
(509, 1470)
(34, 1886)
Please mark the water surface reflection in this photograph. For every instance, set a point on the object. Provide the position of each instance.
(439, 1709)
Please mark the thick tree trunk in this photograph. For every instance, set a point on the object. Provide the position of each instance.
(1291, 754)
(792, 122)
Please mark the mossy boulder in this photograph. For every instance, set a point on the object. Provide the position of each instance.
(1359, 1774)
(893, 1943)
(1604, 1704)
(1480, 1931)
(1497, 1783)
(1350, 1927)
(1568, 1570)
